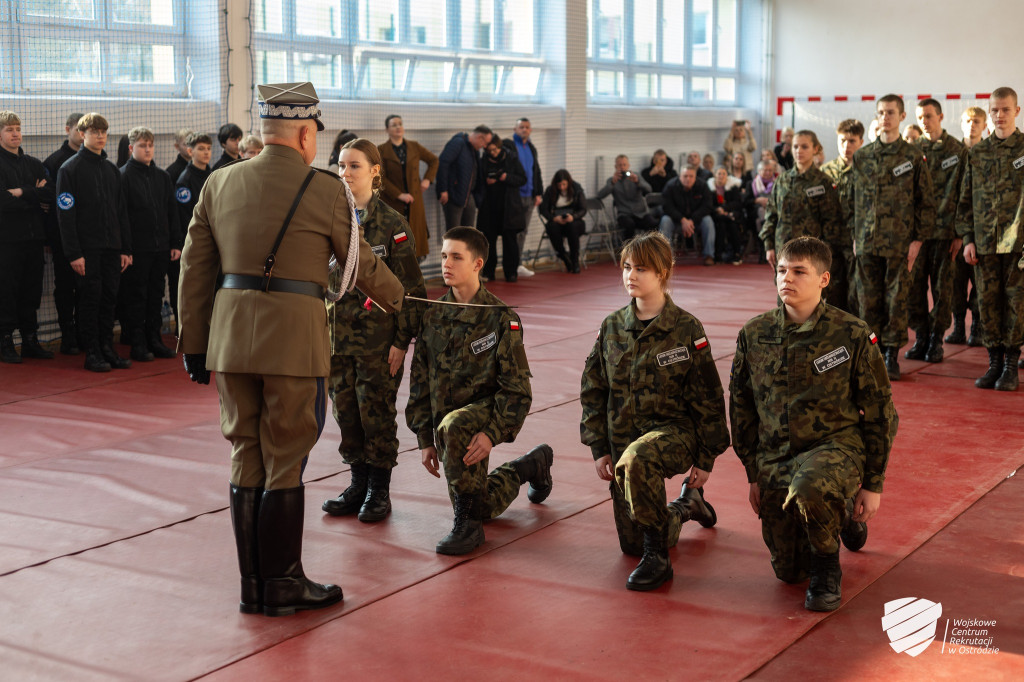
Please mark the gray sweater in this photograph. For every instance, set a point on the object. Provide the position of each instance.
(627, 196)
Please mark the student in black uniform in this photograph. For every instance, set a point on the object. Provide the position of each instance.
(97, 241)
(184, 153)
(187, 186)
(156, 240)
(229, 136)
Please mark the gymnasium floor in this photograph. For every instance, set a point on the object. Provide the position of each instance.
(117, 559)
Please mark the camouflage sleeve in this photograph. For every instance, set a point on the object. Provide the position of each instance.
(594, 401)
(743, 411)
(873, 395)
(407, 270)
(705, 402)
(831, 217)
(513, 398)
(846, 187)
(924, 203)
(418, 415)
(965, 207)
(771, 217)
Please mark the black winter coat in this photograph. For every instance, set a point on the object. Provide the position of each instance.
(90, 206)
(22, 218)
(152, 209)
(500, 205)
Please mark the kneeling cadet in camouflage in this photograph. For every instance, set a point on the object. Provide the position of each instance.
(649, 384)
(469, 391)
(812, 420)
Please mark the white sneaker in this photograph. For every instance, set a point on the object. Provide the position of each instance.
(524, 271)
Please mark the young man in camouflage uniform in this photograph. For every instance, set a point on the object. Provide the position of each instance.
(946, 158)
(652, 408)
(989, 220)
(843, 288)
(893, 212)
(470, 390)
(812, 419)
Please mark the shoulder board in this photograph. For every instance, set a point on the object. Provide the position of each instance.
(231, 163)
(326, 172)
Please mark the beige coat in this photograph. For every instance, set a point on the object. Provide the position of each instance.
(236, 220)
(391, 174)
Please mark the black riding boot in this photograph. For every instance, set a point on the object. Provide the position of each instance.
(535, 468)
(654, 567)
(995, 368)
(467, 531)
(352, 498)
(245, 507)
(824, 591)
(286, 589)
(378, 496)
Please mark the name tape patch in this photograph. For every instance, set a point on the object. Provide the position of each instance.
(831, 359)
(480, 345)
(950, 162)
(65, 201)
(1018, 163)
(903, 168)
(815, 191)
(671, 357)
(772, 340)
(380, 251)
(184, 195)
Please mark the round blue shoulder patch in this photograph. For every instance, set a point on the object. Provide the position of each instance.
(65, 201)
(184, 195)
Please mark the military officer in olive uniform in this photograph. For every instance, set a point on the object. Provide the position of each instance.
(991, 221)
(265, 334)
(469, 390)
(652, 408)
(893, 213)
(812, 420)
(369, 345)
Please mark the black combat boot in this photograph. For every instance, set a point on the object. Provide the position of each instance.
(920, 347)
(113, 359)
(31, 348)
(690, 505)
(8, 353)
(378, 496)
(157, 347)
(467, 531)
(935, 351)
(245, 508)
(94, 361)
(892, 364)
(654, 567)
(1007, 381)
(824, 591)
(535, 468)
(140, 349)
(958, 335)
(995, 368)
(352, 498)
(974, 340)
(286, 589)
(853, 533)
(69, 340)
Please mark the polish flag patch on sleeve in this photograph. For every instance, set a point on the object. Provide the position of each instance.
(401, 237)
(702, 342)
(513, 325)
(873, 338)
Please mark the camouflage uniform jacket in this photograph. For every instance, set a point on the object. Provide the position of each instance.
(469, 357)
(795, 389)
(802, 204)
(638, 379)
(991, 198)
(893, 200)
(947, 158)
(839, 171)
(356, 330)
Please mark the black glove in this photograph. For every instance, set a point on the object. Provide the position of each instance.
(195, 365)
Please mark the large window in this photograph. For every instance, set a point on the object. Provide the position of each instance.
(95, 46)
(448, 50)
(669, 52)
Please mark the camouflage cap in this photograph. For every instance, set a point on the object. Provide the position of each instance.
(296, 101)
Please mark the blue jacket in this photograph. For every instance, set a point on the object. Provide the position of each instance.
(456, 169)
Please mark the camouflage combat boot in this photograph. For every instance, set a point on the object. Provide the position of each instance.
(468, 530)
(655, 567)
(824, 591)
(535, 468)
(691, 506)
(958, 335)
(995, 368)
(377, 505)
(352, 498)
(1008, 380)
(854, 534)
(920, 347)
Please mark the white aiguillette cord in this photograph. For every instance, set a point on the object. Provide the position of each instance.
(348, 275)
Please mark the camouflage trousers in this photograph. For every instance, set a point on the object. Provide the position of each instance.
(807, 516)
(638, 491)
(882, 285)
(1000, 300)
(497, 489)
(960, 300)
(364, 395)
(933, 270)
(841, 291)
